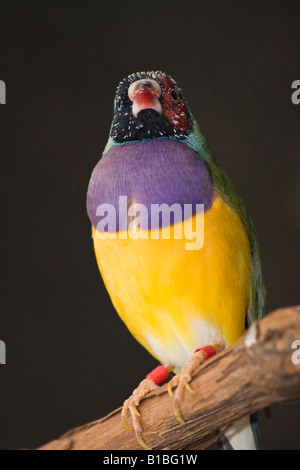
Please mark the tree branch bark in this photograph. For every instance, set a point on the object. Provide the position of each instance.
(260, 369)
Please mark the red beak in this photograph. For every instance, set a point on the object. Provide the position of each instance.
(144, 94)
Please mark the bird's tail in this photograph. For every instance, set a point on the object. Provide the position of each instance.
(244, 435)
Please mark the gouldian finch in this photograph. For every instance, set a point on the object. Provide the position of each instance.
(174, 244)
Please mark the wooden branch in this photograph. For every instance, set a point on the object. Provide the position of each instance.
(255, 372)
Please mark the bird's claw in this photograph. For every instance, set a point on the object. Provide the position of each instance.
(125, 424)
(136, 411)
(130, 408)
(181, 382)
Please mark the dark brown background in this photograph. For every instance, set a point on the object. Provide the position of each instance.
(69, 357)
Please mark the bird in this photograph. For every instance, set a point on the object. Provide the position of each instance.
(175, 246)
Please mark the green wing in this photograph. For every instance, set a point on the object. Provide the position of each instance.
(224, 185)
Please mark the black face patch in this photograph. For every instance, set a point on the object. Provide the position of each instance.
(148, 124)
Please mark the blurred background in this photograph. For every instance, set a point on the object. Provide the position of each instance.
(70, 359)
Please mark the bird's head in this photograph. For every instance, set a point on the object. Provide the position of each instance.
(149, 105)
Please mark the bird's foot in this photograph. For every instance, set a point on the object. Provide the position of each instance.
(151, 382)
(182, 379)
(129, 408)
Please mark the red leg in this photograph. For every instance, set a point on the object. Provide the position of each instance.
(155, 378)
(151, 382)
(182, 379)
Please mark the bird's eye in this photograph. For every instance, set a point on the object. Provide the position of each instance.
(174, 96)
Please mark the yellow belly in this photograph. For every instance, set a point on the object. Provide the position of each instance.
(174, 300)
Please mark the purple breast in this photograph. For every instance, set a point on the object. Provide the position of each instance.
(149, 173)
